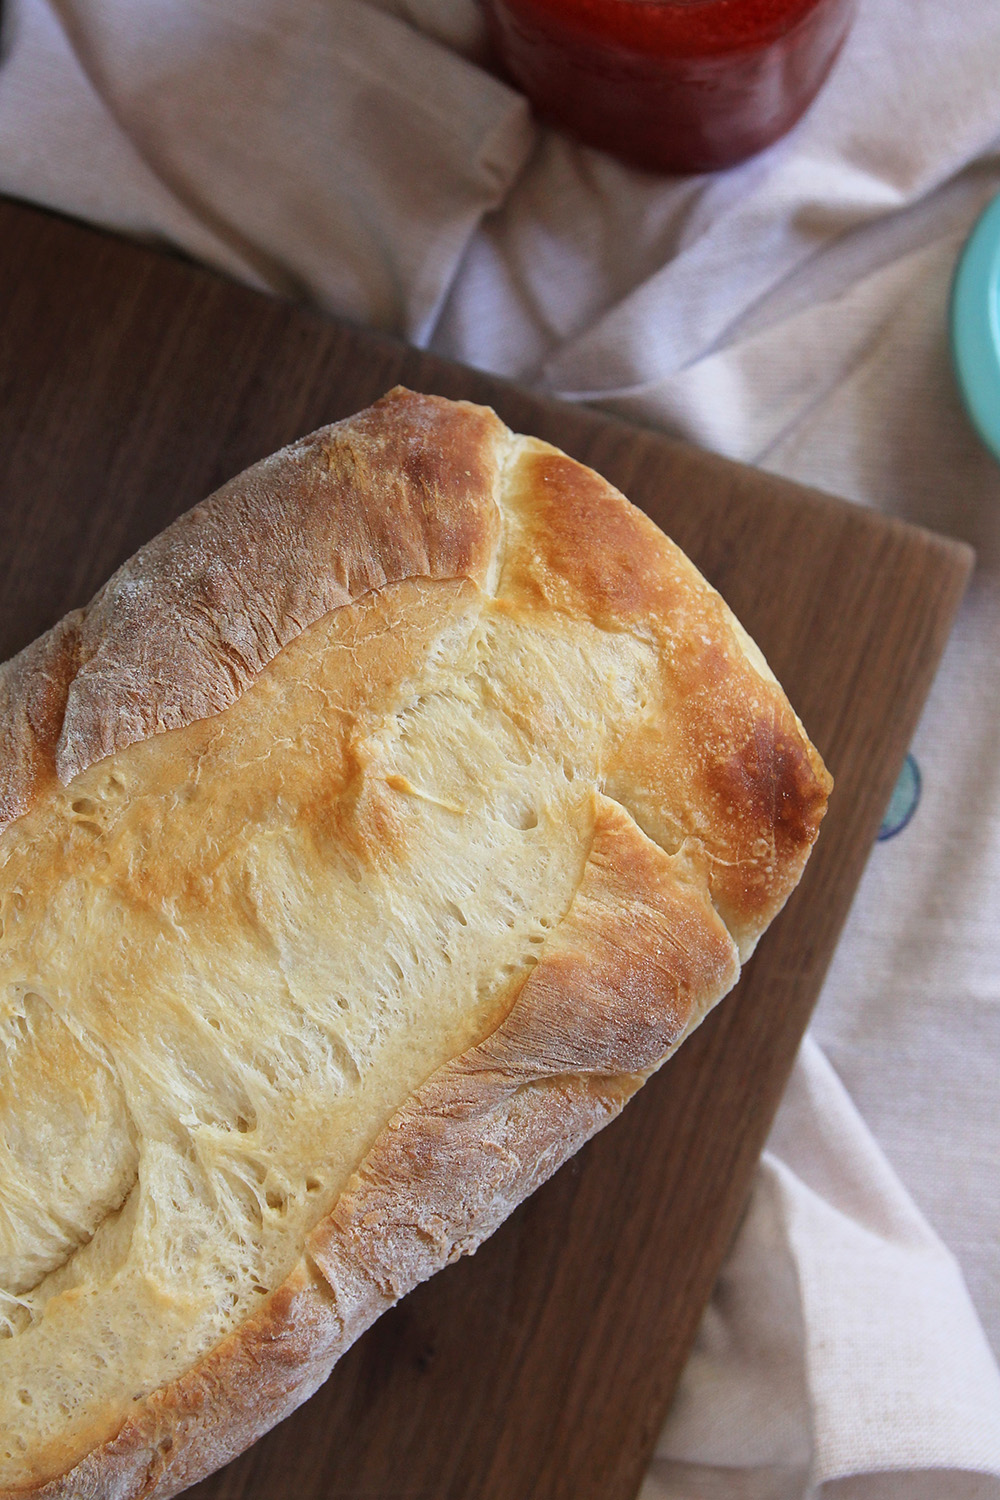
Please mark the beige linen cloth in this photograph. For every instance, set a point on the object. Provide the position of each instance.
(791, 313)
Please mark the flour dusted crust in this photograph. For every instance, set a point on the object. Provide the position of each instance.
(410, 664)
(185, 626)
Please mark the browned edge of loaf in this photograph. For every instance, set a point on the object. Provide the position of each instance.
(402, 490)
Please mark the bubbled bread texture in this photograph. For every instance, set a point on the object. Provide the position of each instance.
(369, 839)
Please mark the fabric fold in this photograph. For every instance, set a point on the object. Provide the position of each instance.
(917, 1387)
(326, 151)
(840, 1353)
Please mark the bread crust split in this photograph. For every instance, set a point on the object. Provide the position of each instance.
(677, 821)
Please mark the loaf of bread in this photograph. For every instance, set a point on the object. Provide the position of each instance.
(367, 841)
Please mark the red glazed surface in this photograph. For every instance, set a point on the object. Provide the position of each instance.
(673, 85)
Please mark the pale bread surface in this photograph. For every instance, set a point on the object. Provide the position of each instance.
(369, 839)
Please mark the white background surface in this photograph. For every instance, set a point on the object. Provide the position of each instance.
(791, 313)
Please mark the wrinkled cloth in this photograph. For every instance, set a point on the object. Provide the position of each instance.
(792, 313)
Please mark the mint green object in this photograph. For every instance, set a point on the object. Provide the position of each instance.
(975, 326)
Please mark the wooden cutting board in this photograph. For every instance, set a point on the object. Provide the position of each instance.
(131, 384)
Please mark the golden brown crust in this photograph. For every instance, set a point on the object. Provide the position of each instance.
(34, 688)
(721, 747)
(406, 490)
(247, 1383)
(641, 954)
(403, 490)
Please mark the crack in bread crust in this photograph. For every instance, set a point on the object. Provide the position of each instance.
(179, 632)
(595, 657)
(644, 951)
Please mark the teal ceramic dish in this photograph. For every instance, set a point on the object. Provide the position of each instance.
(975, 326)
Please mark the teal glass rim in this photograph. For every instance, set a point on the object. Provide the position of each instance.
(975, 326)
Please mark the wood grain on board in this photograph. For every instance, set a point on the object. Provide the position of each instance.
(132, 384)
